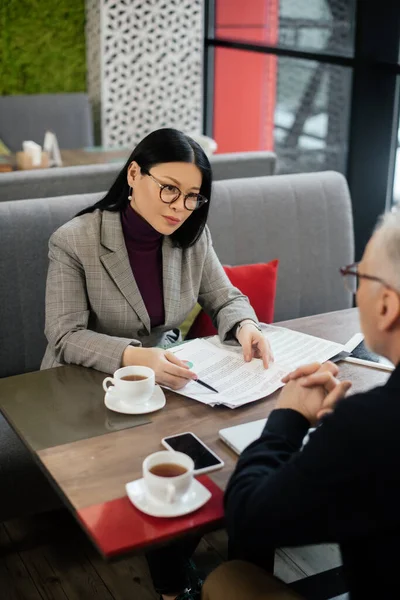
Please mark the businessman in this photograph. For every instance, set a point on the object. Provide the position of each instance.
(343, 486)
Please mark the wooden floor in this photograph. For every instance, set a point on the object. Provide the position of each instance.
(48, 557)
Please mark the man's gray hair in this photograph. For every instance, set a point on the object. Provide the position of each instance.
(388, 229)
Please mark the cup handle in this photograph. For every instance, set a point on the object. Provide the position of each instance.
(171, 493)
(107, 380)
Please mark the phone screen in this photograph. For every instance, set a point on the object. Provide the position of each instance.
(188, 444)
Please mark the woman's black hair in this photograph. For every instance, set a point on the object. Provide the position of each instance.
(162, 146)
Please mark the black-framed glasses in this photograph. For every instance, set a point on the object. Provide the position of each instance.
(171, 193)
(351, 278)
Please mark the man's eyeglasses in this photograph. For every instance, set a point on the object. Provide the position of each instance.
(171, 193)
(351, 277)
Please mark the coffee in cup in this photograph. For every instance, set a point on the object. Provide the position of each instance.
(168, 475)
(168, 470)
(134, 384)
(133, 377)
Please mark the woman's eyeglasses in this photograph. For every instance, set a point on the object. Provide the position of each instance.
(171, 193)
(351, 278)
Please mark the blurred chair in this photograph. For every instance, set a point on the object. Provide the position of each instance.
(29, 117)
(236, 165)
(87, 179)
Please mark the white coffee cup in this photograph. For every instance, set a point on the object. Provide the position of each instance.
(167, 489)
(132, 392)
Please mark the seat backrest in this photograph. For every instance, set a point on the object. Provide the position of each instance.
(29, 117)
(304, 220)
(236, 165)
(25, 229)
(87, 179)
(62, 181)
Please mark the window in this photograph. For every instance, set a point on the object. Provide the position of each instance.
(315, 81)
(298, 108)
(320, 25)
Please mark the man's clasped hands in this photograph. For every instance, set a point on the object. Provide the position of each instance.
(313, 390)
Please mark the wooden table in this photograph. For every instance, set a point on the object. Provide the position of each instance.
(91, 473)
(72, 158)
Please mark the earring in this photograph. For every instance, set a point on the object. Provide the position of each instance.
(130, 194)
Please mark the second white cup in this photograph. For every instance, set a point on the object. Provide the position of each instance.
(168, 475)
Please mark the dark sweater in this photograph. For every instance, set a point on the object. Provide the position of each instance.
(343, 486)
(144, 246)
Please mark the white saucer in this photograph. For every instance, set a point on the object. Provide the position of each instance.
(196, 496)
(114, 402)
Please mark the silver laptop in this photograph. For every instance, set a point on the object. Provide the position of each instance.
(241, 436)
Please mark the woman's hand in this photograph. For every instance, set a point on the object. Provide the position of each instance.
(254, 344)
(168, 369)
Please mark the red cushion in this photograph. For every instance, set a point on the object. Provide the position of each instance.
(258, 283)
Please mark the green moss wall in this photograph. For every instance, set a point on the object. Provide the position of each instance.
(42, 46)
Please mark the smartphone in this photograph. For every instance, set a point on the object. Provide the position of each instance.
(205, 460)
(361, 355)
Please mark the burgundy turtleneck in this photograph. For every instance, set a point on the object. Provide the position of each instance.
(144, 246)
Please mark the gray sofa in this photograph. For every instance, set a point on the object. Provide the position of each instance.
(303, 220)
(45, 183)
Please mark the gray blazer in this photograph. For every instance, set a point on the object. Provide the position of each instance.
(94, 309)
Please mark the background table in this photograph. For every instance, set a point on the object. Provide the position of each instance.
(82, 156)
(90, 473)
(78, 157)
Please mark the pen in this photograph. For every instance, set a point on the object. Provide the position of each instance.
(190, 364)
(206, 385)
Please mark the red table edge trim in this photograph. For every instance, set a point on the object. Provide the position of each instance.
(211, 525)
(123, 551)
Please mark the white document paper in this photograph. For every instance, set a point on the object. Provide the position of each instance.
(222, 366)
